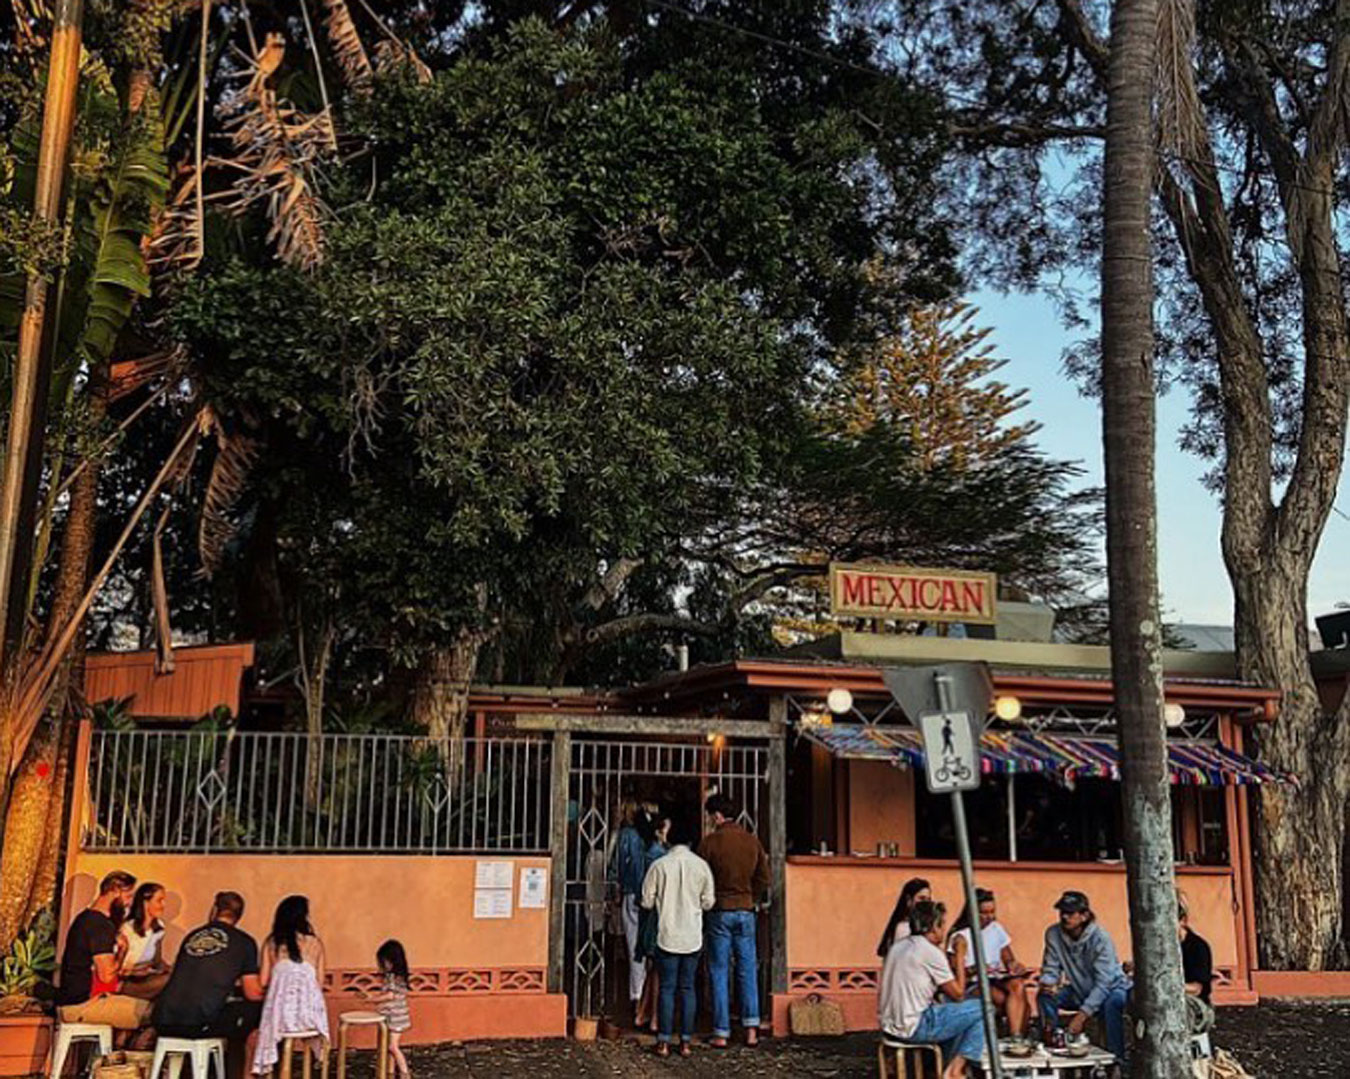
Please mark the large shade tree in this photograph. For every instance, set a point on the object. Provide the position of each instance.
(1248, 210)
(566, 309)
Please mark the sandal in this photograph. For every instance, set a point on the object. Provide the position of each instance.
(662, 1049)
(686, 1050)
(718, 1043)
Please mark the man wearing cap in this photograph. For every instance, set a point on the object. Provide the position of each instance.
(1082, 971)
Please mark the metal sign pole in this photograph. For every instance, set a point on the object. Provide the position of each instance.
(973, 906)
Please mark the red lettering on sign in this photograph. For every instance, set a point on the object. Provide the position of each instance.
(925, 603)
(874, 591)
(949, 600)
(973, 596)
(897, 598)
(852, 588)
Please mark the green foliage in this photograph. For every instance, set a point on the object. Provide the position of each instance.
(119, 178)
(573, 319)
(32, 958)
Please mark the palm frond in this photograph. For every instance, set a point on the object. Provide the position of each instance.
(348, 50)
(1180, 117)
(391, 53)
(125, 377)
(235, 457)
(276, 149)
(179, 241)
(159, 590)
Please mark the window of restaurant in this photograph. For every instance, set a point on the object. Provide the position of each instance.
(866, 806)
(1055, 823)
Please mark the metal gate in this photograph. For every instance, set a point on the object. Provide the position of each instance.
(603, 772)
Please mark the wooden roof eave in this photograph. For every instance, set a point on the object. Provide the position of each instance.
(1246, 703)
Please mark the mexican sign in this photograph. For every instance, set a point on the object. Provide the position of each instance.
(951, 754)
(908, 592)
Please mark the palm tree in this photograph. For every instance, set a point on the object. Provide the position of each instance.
(1128, 423)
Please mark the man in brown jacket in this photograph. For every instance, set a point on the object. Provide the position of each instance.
(741, 877)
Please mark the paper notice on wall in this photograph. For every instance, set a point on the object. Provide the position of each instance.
(492, 903)
(494, 875)
(533, 887)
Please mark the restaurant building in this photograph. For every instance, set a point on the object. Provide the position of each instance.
(491, 862)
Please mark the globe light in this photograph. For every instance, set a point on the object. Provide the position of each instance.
(839, 700)
(1173, 714)
(1007, 708)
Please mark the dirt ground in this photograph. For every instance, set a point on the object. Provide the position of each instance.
(1273, 1041)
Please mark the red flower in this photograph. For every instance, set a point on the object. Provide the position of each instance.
(43, 770)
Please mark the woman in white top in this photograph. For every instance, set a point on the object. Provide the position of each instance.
(292, 973)
(1007, 977)
(144, 972)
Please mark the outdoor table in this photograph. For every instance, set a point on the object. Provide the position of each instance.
(1044, 1064)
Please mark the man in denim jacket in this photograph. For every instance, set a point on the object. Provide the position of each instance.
(1081, 971)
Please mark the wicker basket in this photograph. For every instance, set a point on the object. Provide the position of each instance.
(123, 1065)
(816, 1017)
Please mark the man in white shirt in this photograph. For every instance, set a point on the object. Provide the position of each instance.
(915, 971)
(680, 887)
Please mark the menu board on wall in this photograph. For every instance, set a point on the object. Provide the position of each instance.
(492, 885)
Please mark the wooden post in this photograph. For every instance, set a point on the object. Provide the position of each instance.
(560, 775)
(778, 968)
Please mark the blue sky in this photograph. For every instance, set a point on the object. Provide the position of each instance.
(1028, 334)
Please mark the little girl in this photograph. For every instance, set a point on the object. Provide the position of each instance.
(393, 999)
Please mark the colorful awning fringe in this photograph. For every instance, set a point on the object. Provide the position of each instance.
(1066, 758)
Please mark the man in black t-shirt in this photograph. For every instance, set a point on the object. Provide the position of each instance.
(216, 965)
(88, 992)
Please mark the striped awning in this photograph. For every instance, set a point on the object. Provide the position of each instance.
(1065, 758)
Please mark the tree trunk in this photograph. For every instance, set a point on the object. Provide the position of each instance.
(31, 366)
(33, 835)
(30, 809)
(1300, 830)
(440, 700)
(48, 872)
(313, 678)
(1129, 427)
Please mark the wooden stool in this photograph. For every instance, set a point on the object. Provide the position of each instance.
(364, 1019)
(289, 1041)
(910, 1059)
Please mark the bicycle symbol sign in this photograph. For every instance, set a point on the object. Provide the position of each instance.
(951, 754)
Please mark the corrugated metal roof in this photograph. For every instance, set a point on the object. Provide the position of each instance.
(204, 678)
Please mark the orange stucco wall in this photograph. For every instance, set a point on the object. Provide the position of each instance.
(837, 908)
(881, 806)
(356, 902)
(820, 890)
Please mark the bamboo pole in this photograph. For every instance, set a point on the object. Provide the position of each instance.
(18, 489)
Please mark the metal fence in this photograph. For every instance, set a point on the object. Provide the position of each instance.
(225, 790)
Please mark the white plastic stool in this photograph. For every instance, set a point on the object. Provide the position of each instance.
(67, 1034)
(201, 1051)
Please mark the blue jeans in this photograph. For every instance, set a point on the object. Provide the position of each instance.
(677, 975)
(731, 934)
(958, 1028)
(1112, 1013)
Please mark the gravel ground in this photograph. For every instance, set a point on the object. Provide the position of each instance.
(1273, 1041)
